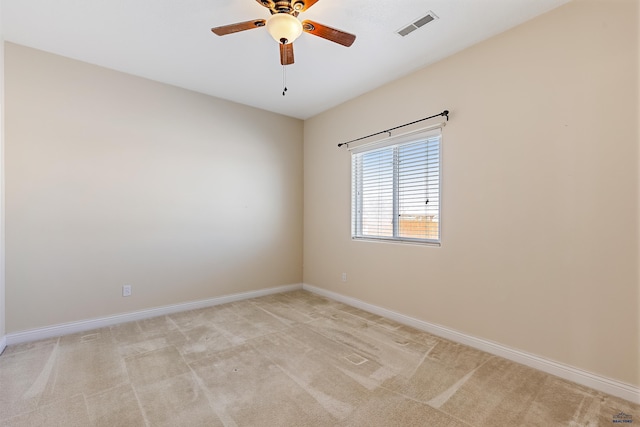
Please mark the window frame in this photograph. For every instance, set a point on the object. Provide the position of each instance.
(395, 141)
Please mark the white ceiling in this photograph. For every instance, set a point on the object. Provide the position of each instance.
(170, 41)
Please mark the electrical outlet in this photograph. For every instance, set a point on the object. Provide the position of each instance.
(126, 290)
(344, 277)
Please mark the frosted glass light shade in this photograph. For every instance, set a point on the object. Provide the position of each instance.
(284, 26)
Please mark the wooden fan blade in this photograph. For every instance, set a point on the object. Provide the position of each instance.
(240, 26)
(286, 53)
(302, 5)
(331, 34)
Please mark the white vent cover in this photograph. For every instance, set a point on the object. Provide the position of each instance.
(420, 22)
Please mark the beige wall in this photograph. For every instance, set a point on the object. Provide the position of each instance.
(2, 269)
(638, 178)
(540, 192)
(113, 179)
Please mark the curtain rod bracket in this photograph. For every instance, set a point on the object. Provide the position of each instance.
(445, 114)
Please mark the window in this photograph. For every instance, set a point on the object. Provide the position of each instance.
(396, 189)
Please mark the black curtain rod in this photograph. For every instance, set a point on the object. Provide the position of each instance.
(445, 113)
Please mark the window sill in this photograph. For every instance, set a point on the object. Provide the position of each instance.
(396, 241)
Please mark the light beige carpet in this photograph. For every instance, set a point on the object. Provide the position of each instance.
(293, 359)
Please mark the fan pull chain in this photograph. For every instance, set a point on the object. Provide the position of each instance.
(284, 80)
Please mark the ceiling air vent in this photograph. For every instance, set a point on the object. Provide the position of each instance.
(420, 22)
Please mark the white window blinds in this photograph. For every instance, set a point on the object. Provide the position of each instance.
(396, 189)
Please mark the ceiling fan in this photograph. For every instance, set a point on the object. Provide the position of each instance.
(284, 26)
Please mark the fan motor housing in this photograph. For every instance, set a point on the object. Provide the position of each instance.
(292, 8)
(289, 7)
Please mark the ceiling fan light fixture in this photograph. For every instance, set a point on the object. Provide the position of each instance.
(283, 26)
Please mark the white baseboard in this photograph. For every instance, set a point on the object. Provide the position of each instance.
(89, 324)
(3, 343)
(597, 382)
